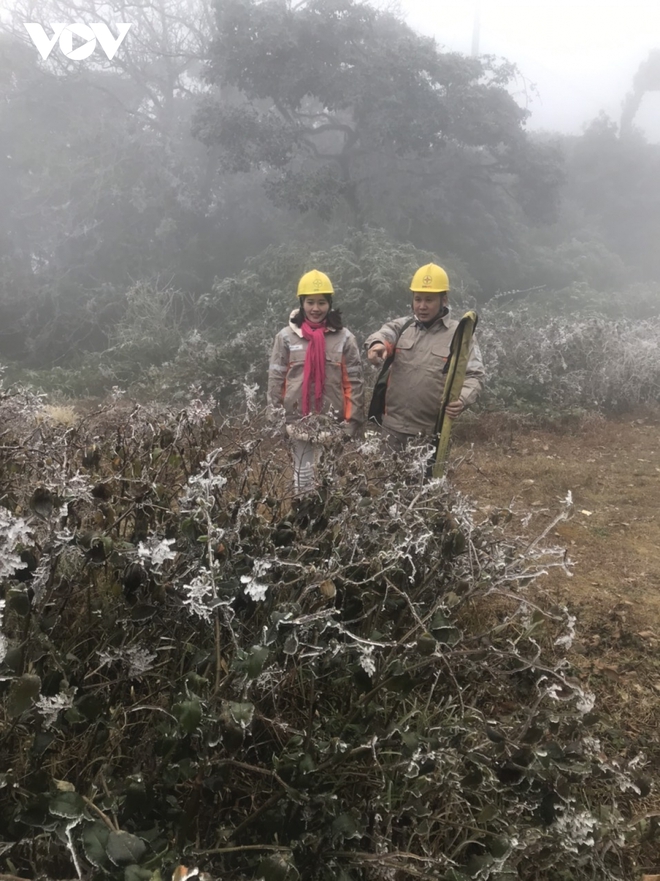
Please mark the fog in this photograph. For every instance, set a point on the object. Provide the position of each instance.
(136, 185)
(580, 57)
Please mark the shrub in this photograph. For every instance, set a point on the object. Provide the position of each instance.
(559, 363)
(366, 685)
(543, 350)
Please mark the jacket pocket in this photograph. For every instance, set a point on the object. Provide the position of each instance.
(297, 352)
(440, 349)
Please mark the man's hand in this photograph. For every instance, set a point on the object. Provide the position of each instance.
(377, 354)
(454, 409)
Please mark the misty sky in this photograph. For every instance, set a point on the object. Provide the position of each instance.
(580, 54)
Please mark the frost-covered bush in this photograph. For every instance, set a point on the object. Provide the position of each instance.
(166, 341)
(572, 348)
(368, 684)
(562, 362)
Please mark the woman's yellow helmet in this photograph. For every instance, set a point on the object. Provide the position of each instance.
(314, 282)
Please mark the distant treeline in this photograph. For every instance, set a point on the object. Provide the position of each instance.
(134, 190)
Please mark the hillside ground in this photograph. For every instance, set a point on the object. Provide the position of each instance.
(612, 538)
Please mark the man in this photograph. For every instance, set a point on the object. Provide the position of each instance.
(421, 348)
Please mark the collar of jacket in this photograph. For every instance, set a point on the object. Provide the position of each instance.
(441, 319)
(298, 330)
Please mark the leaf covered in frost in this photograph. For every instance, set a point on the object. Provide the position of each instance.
(125, 849)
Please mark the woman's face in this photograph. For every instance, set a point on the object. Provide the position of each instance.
(316, 308)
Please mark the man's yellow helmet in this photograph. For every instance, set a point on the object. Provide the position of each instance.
(430, 279)
(314, 282)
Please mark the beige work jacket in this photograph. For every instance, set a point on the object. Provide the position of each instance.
(344, 381)
(416, 381)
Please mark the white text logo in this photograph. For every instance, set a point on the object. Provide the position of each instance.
(66, 32)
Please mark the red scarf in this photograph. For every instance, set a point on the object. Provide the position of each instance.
(314, 368)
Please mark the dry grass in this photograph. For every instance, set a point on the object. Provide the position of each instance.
(612, 469)
(59, 415)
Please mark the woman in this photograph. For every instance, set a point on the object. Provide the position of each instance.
(315, 368)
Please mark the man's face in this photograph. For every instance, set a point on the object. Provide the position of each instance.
(426, 307)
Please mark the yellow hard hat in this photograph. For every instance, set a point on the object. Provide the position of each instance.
(430, 279)
(314, 282)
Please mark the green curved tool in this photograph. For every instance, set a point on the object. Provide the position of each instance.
(459, 354)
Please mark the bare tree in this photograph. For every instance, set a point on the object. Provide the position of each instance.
(162, 55)
(647, 79)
